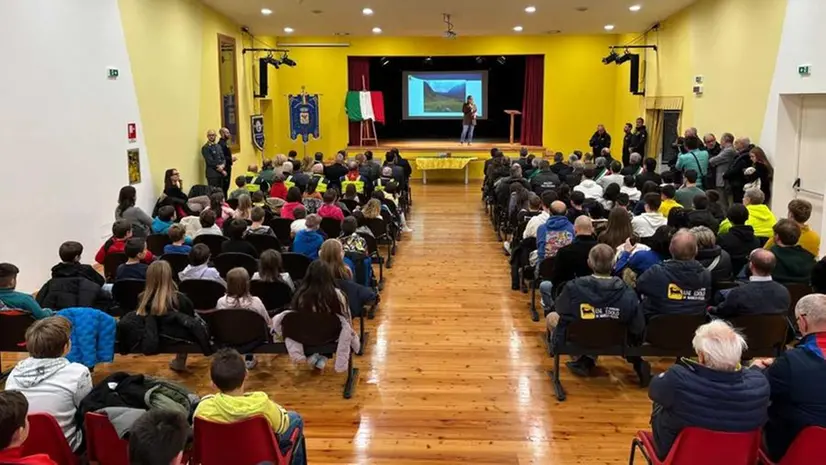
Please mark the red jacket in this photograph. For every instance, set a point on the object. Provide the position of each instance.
(118, 245)
(331, 211)
(15, 455)
(278, 190)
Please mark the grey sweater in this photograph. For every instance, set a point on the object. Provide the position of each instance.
(141, 222)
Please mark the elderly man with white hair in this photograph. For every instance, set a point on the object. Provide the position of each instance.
(634, 165)
(797, 379)
(712, 392)
(735, 174)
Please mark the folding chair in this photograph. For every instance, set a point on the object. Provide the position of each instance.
(766, 334)
(177, 261)
(379, 229)
(13, 326)
(46, 437)
(240, 329)
(212, 241)
(111, 263)
(247, 442)
(670, 335)
(695, 446)
(276, 295)
(103, 446)
(807, 445)
(156, 242)
(126, 294)
(796, 292)
(546, 269)
(281, 227)
(229, 260)
(375, 255)
(263, 242)
(296, 265)
(331, 227)
(350, 204)
(204, 293)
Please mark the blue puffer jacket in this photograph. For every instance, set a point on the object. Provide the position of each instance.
(690, 394)
(93, 336)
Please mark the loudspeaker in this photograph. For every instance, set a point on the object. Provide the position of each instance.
(263, 83)
(635, 75)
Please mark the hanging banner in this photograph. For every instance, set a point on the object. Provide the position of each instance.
(257, 125)
(304, 116)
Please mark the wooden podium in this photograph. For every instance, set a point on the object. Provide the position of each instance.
(513, 114)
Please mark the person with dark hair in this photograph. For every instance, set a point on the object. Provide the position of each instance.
(613, 177)
(257, 216)
(576, 209)
(224, 142)
(695, 159)
(223, 211)
(640, 138)
(214, 161)
(70, 266)
(559, 167)
(293, 202)
(649, 174)
(629, 188)
(626, 144)
(236, 242)
(165, 219)
(667, 194)
(677, 218)
(330, 209)
(370, 169)
(129, 211)
(761, 218)
(761, 172)
(238, 297)
(799, 212)
(638, 258)
(547, 198)
(173, 193)
(739, 240)
(700, 216)
(14, 430)
(760, 296)
(647, 223)
(134, 268)
(545, 179)
(10, 299)
(610, 196)
(158, 437)
(121, 232)
(715, 205)
(198, 267)
(618, 230)
(271, 269)
(685, 194)
(503, 185)
(308, 241)
(241, 187)
(794, 263)
(588, 186)
(207, 222)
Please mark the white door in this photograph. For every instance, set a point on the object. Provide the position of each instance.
(812, 154)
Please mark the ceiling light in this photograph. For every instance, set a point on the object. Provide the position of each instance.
(530, 9)
(634, 8)
(609, 27)
(288, 30)
(367, 11)
(428, 61)
(612, 57)
(385, 61)
(479, 60)
(266, 11)
(501, 60)
(517, 28)
(376, 30)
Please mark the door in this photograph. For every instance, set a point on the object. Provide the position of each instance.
(812, 146)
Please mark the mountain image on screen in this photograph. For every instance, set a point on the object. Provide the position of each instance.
(443, 96)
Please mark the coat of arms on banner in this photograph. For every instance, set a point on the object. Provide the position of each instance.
(257, 125)
(304, 116)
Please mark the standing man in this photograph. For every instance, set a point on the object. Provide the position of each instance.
(712, 146)
(640, 138)
(627, 141)
(228, 156)
(600, 140)
(468, 120)
(215, 162)
(719, 164)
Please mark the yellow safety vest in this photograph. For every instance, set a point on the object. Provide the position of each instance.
(322, 184)
(289, 182)
(379, 185)
(359, 184)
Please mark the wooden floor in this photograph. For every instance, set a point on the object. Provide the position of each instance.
(454, 371)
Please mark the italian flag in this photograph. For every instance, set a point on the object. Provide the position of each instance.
(365, 105)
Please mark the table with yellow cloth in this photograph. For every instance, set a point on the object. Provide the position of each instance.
(434, 163)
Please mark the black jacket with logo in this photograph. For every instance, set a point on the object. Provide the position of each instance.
(675, 287)
(545, 180)
(600, 141)
(594, 298)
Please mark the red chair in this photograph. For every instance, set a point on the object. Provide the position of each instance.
(247, 442)
(808, 444)
(46, 437)
(103, 445)
(695, 446)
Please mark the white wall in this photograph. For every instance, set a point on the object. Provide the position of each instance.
(63, 130)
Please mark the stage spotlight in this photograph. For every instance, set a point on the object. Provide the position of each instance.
(501, 60)
(428, 61)
(625, 57)
(612, 57)
(287, 61)
(384, 61)
(273, 61)
(479, 60)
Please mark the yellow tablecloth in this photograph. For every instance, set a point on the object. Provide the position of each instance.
(433, 163)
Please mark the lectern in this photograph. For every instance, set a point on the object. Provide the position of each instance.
(513, 114)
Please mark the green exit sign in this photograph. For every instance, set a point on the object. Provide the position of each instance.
(112, 73)
(804, 70)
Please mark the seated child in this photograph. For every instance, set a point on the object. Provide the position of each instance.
(278, 189)
(134, 268)
(232, 403)
(10, 299)
(14, 430)
(308, 241)
(198, 267)
(330, 209)
(158, 437)
(259, 200)
(300, 222)
(70, 266)
(165, 219)
(121, 232)
(236, 242)
(271, 269)
(208, 226)
(241, 183)
(258, 227)
(51, 383)
(180, 243)
(350, 239)
(244, 209)
(238, 297)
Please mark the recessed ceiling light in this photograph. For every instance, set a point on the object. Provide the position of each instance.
(530, 9)
(288, 30)
(609, 27)
(517, 28)
(367, 12)
(376, 30)
(634, 7)
(266, 11)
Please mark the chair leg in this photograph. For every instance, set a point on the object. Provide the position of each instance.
(558, 389)
(534, 313)
(389, 255)
(362, 335)
(352, 377)
(635, 443)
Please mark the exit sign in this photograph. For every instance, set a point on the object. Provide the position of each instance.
(804, 70)
(112, 73)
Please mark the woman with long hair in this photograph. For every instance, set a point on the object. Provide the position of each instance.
(244, 210)
(763, 172)
(332, 253)
(619, 228)
(173, 193)
(238, 297)
(222, 210)
(609, 197)
(372, 209)
(271, 269)
(127, 210)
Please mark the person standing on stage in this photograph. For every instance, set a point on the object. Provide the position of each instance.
(468, 120)
(627, 140)
(228, 156)
(215, 162)
(600, 140)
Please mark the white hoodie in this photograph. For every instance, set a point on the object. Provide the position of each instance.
(590, 189)
(647, 224)
(54, 386)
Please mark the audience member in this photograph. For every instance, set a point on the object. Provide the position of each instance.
(244, 210)
(165, 219)
(158, 437)
(559, 167)
(10, 299)
(696, 159)
(238, 297)
(350, 239)
(180, 243)
(278, 189)
(649, 174)
(711, 145)
(760, 296)
(609, 197)
(134, 268)
(270, 168)
(502, 186)
(740, 240)
(634, 166)
(70, 266)
(547, 198)
(208, 226)
(678, 286)
(678, 218)
(613, 177)
(667, 194)
(121, 232)
(556, 233)
(258, 227)
(330, 209)
(51, 383)
(574, 257)
(685, 194)
(354, 178)
(700, 216)
(14, 430)
(618, 230)
(715, 205)
(648, 188)
(712, 393)
(300, 221)
(711, 256)
(545, 179)
(332, 253)
(127, 210)
(308, 241)
(799, 212)
(271, 269)
(198, 267)
(735, 175)
(293, 202)
(638, 258)
(223, 211)
(629, 188)
(577, 207)
(761, 173)
(794, 263)
(647, 223)
(574, 177)
(241, 184)
(232, 403)
(588, 186)
(236, 242)
(719, 164)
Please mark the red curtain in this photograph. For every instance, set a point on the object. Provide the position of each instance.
(357, 68)
(532, 100)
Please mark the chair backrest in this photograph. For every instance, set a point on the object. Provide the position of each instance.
(177, 261)
(372, 244)
(281, 227)
(13, 326)
(103, 446)
(111, 263)
(263, 242)
(595, 334)
(296, 265)
(351, 204)
(377, 226)
(765, 334)
(236, 327)
(156, 242)
(391, 206)
(203, 293)
(247, 442)
(46, 437)
(276, 295)
(673, 332)
(696, 446)
(807, 445)
(229, 260)
(546, 268)
(796, 292)
(126, 292)
(213, 241)
(233, 203)
(312, 329)
(331, 227)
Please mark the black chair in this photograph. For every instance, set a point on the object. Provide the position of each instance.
(375, 255)
(111, 263)
(240, 329)
(156, 242)
(766, 334)
(296, 265)
(331, 227)
(379, 229)
(204, 293)
(177, 261)
(276, 295)
(350, 204)
(670, 335)
(263, 242)
(546, 269)
(126, 293)
(521, 269)
(229, 260)
(213, 241)
(586, 337)
(796, 292)
(233, 203)
(13, 326)
(281, 227)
